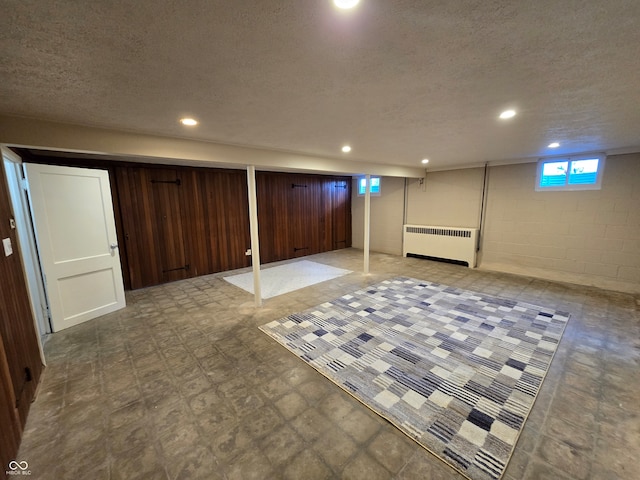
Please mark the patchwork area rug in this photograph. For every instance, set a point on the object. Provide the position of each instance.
(455, 370)
(288, 277)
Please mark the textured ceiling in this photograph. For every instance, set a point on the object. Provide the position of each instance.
(399, 80)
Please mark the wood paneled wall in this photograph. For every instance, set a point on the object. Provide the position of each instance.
(151, 213)
(217, 219)
(302, 215)
(177, 222)
(341, 213)
(183, 222)
(10, 429)
(20, 363)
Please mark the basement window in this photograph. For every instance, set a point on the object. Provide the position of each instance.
(570, 173)
(375, 186)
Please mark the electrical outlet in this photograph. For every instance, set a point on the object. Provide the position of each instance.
(8, 248)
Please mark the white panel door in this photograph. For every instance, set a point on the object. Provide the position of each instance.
(76, 237)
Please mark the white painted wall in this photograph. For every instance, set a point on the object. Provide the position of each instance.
(584, 237)
(587, 237)
(449, 198)
(386, 217)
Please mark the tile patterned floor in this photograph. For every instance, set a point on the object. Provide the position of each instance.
(182, 385)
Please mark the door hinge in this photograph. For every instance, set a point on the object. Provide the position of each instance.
(27, 378)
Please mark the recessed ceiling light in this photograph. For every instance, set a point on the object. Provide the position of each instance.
(345, 4)
(425, 160)
(346, 149)
(508, 114)
(189, 122)
(554, 145)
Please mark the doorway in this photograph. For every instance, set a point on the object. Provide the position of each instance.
(75, 234)
(26, 238)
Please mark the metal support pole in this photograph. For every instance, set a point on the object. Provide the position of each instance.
(367, 218)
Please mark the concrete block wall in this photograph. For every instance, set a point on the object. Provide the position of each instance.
(386, 217)
(588, 237)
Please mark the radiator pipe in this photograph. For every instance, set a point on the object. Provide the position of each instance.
(482, 205)
(404, 205)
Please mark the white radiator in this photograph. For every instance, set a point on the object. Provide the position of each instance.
(450, 243)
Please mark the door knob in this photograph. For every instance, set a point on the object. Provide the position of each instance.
(113, 246)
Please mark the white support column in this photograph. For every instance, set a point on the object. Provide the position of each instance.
(253, 227)
(367, 217)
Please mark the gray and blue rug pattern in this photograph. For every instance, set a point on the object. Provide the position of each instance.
(457, 371)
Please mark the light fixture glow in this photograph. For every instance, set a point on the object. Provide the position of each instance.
(189, 122)
(554, 145)
(345, 4)
(507, 114)
(346, 149)
(425, 160)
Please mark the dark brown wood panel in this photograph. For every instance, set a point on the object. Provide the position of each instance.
(166, 186)
(20, 363)
(320, 208)
(203, 221)
(216, 215)
(151, 213)
(311, 215)
(182, 222)
(273, 192)
(297, 214)
(341, 213)
(302, 217)
(139, 228)
(117, 211)
(197, 237)
(9, 417)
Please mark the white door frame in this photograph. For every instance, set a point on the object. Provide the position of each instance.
(12, 165)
